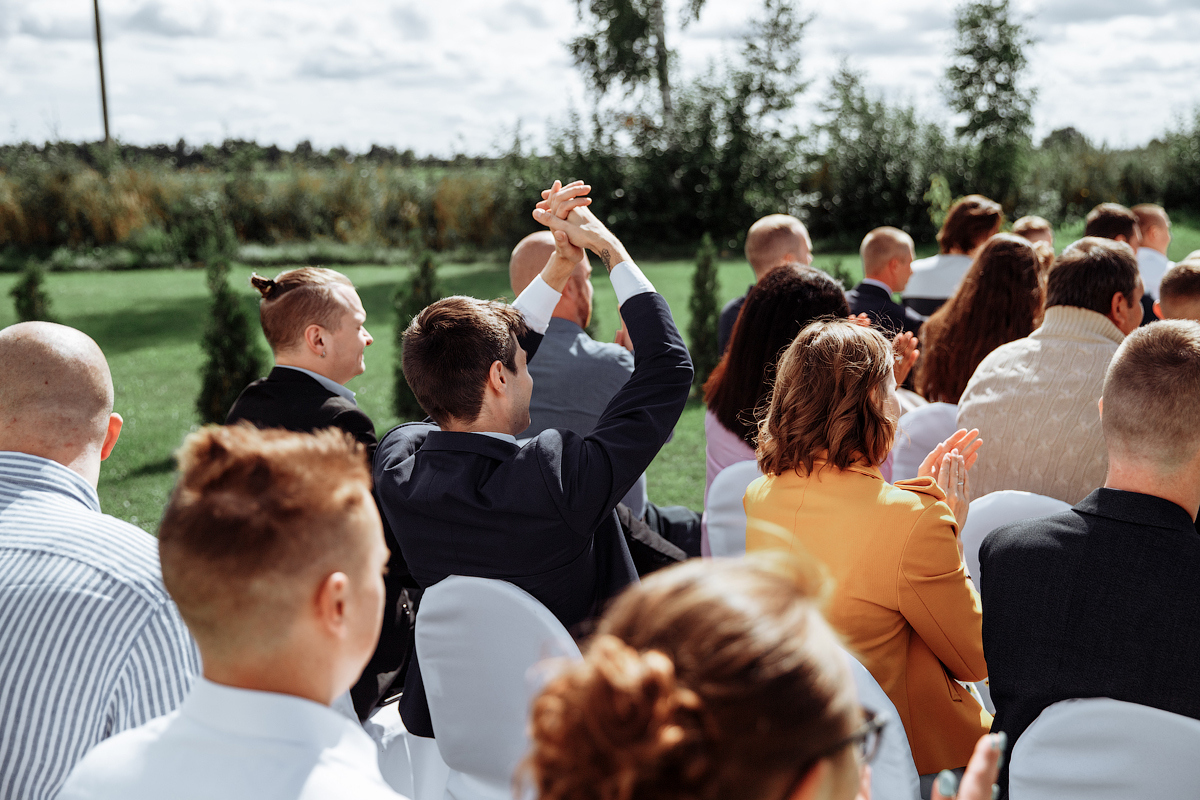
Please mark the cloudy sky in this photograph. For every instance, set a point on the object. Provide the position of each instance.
(458, 75)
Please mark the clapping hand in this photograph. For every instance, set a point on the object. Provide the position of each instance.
(948, 465)
(966, 442)
(861, 320)
(906, 354)
(978, 782)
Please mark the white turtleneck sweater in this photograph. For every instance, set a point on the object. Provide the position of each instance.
(1035, 404)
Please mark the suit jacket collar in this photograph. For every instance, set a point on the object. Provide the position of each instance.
(1136, 509)
(291, 375)
(876, 288)
(466, 442)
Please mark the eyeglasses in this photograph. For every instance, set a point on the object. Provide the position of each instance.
(867, 738)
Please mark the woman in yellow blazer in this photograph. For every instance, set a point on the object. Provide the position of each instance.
(901, 599)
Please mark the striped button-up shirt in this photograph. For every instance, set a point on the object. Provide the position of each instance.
(90, 642)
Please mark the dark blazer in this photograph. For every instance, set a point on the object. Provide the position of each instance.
(885, 313)
(290, 399)
(1100, 601)
(725, 322)
(540, 516)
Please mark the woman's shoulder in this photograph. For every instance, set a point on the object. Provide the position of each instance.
(916, 494)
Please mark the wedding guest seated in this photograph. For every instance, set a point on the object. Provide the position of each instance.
(782, 303)
(314, 323)
(575, 377)
(970, 222)
(272, 548)
(774, 240)
(1035, 229)
(1035, 398)
(464, 498)
(998, 301)
(1100, 601)
(1179, 292)
(90, 643)
(901, 600)
(1155, 228)
(1116, 222)
(887, 258)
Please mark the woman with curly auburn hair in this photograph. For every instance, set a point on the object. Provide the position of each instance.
(902, 598)
(999, 301)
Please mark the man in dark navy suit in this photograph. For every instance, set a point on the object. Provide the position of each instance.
(887, 257)
(463, 497)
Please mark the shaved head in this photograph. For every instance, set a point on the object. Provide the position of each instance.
(527, 261)
(57, 394)
(882, 245)
(775, 240)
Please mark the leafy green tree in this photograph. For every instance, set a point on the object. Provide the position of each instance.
(422, 290)
(702, 329)
(232, 359)
(984, 82)
(30, 297)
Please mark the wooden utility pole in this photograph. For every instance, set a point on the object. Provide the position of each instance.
(100, 53)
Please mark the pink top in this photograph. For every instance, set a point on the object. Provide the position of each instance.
(723, 448)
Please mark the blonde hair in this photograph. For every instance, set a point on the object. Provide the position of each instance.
(772, 239)
(297, 298)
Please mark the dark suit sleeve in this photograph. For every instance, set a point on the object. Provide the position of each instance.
(530, 343)
(725, 322)
(589, 475)
(358, 425)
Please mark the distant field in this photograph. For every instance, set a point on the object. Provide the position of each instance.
(149, 324)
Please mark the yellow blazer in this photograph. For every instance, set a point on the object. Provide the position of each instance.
(901, 599)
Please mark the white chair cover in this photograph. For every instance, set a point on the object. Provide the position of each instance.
(411, 765)
(1000, 508)
(893, 773)
(478, 641)
(1103, 749)
(725, 516)
(921, 430)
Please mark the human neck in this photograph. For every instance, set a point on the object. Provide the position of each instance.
(880, 278)
(486, 422)
(83, 462)
(1181, 487)
(570, 315)
(308, 361)
(305, 675)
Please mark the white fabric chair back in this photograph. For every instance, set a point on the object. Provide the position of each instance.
(893, 772)
(1103, 749)
(1000, 508)
(478, 641)
(725, 516)
(921, 430)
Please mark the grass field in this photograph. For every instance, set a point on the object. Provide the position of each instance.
(149, 324)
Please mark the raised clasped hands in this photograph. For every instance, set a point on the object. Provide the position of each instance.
(565, 208)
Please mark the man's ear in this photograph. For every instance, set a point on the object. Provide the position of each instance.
(1100, 405)
(330, 602)
(314, 339)
(497, 380)
(111, 435)
(1158, 310)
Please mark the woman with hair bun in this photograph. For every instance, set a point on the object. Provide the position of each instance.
(902, 598)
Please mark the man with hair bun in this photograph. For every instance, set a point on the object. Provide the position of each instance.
(970, 222)
(1100, 601)
(887, 259)
(272, 548)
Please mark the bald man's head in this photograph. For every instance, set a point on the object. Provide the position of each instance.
(529, 258)
(775, 240)
(887, 256)
(57, 394)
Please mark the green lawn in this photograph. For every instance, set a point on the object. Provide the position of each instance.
(149, 324)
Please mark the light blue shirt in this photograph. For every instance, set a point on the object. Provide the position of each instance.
(332, 386)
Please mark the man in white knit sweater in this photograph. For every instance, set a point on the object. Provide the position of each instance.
(1034, 400)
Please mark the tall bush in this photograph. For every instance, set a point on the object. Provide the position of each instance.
(702, 329)
(421, 291)
(231, 356)
(30, 297)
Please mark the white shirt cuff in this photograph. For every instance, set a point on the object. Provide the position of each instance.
(537, 304)
(628, 281)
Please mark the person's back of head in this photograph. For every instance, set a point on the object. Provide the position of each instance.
(830, 400)
(1035, 229)
(1113, 221)
(1101, 275)
(887, 255)
(776, 308)
(969, 223)
(57, 396)
(775, 240)
(1179, 292)
(527, 261)
(273, 551)
(999, 300)
(707, 680)
(449, 350)
(1154, 226)
(1151, 399)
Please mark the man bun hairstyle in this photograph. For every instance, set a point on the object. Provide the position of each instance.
(709, 680)
(1089, 272)
(969, 222)
(295, 299)
(253, 513)
(1152, 395)
(449, 349)
(1110, 220)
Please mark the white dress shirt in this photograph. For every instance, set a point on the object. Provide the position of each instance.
(1153, 265)
(235, 744)
(331, 385)
(937, 277)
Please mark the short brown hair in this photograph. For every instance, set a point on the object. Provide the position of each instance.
(969, 221)
(1090, 272)
(254, 512)
(1150, 215)
(1152, 395)
(709, 679)
(449, 349)
(998, 301)
(771, 239)
(1181, 282)
(1030, 224)
(1110, 220)
(828, 398)
(297, 298)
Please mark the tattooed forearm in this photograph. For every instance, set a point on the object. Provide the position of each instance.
(606, 257)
